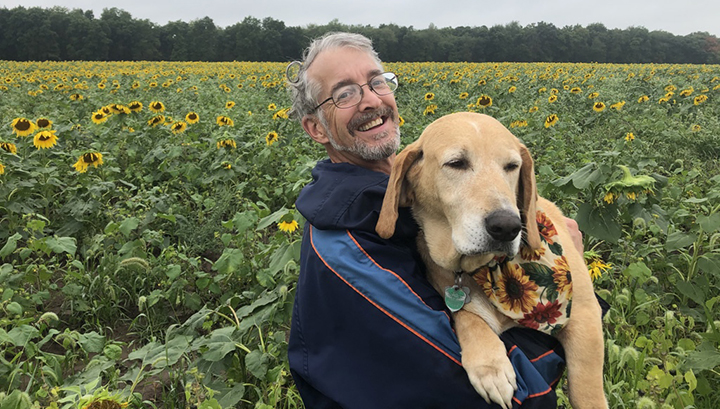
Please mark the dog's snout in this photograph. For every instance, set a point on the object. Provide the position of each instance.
(503, 225)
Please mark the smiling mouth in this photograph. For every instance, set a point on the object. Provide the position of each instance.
(372, 124)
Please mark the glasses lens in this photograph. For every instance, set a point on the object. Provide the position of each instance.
(347, 96)
(385, 83)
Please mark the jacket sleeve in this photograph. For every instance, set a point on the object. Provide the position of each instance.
(368, 331)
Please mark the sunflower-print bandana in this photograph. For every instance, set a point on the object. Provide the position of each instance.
(535, 287)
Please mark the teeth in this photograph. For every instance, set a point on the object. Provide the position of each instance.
(371, 124)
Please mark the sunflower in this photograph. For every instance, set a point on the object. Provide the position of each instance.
(45, 139)
(288, 227)
(533, 109)
(224, 121)
(156, 106)
(8, 147)
(597, 267)
(226, 143)
(429, 96)
(178, 127)
(484, 101)
(546, 227)
(629, 137)
(43, 123)
(99, 117)
(515, 289)
(561, 275)
(699, 99)
(551, 120)
(463, 95)
(512, 89)
(85, 160)
(192, 117)
(271, 138)
(135, 106)
(157, 119)
(593, 95)
(599, 107)
(687, 92)
(401, 121)
(106, 110)
(610, 197)
(119, 109)
(272, 107)
(575, 90)
(2, 169)
(696, 128)
(229, 104)
(643, 98)
(552, 98)
(430, 109)
(22, 126)
(618, 105)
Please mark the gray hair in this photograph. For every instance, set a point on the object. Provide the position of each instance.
(304, 89)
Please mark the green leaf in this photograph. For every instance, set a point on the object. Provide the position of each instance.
(710, 263)
(92, 342)
(169, 217)
(581, 178)
(273, 218)
(16, 400)
(128, 225)
(692, 291)
(62, 245)
(221, 343)
(639, 271)
(243, 221)
(14, 308)
(173, 271)
(229, 261)
(10, 245)
(691, 380)
(22, 334)
(709, 223)
(679, 240)
(599, 222)
(703, 360)
(257, 363)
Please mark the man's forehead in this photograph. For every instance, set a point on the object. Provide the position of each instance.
(343, 64)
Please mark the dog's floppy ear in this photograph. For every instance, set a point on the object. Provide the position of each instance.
(527, 198)
(396, 195)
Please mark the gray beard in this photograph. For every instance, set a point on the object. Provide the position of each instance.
(368, 153)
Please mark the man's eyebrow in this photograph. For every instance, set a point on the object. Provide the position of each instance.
(348, 81)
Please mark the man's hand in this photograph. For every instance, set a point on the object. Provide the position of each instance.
(575, 234)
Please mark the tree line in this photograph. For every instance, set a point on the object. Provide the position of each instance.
(57, 34)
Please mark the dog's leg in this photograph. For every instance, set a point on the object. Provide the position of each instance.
(582, 340)
(485, 359)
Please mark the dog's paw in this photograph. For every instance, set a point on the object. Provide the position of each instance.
(494, 380)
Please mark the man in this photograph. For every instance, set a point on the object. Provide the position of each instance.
(368, 330)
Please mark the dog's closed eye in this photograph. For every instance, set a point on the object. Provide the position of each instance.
(458, 163)
(511, 166)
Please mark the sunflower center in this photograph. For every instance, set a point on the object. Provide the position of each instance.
(22, 125)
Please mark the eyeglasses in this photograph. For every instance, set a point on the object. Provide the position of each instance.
(350, 95)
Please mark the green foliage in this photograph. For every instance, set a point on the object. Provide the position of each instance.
(165, 276)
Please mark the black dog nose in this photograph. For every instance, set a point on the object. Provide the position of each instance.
(503, 225)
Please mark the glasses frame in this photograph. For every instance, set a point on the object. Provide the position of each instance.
(362, 93)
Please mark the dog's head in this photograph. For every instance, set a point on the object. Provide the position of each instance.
(471, 186)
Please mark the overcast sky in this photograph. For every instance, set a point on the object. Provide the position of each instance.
(680, 17)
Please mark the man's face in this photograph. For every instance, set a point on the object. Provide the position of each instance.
(368, 131)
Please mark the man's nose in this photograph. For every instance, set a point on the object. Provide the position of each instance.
(370, 100)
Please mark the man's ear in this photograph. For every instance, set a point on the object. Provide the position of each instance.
(312, 126)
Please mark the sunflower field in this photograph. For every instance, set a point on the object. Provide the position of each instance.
(149, 242)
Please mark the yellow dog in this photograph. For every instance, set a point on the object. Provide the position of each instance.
(471, 186)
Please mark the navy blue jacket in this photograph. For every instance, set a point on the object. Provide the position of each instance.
(368, 329)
